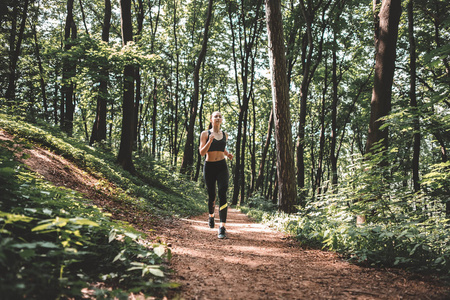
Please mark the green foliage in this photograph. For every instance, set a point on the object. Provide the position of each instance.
(402, 228)
(53, 237)
(156, 189)
(55, 244)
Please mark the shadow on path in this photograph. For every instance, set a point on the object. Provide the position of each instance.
(256, 262)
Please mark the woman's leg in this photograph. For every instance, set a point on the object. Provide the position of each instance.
(210, 181)
(222, 184)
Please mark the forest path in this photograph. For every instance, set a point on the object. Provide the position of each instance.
(256, 262)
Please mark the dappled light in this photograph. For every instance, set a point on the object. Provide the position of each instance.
(256, 262)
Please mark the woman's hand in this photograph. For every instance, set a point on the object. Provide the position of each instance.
(211, 137)
(229, 155)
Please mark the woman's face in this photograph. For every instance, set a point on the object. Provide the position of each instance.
(216, 118)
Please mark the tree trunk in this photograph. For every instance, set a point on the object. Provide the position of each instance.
(154, 115)
(319, 172)
(41, 72)
(137, 75)
(177, 86)
(385, 42)
(259, 180)
(14, 51)
(253, 150)
(188, 156)
(99, 127)
(248, 35)
(308, 73)
(413, 98)
(287, 191)
(333, 156)
(126, 142)
(69, 70)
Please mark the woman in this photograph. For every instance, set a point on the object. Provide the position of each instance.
(213, 143)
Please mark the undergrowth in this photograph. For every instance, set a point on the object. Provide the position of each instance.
(402, 228)
(55, 244)
(155, 188)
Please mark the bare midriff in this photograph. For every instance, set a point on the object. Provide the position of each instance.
(215, 155)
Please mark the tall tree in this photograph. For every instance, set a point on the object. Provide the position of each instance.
(137, 76)
(188, 157)
(412, 96)
(260, 178)
(15, 44)
(99, 127)
(127, 136)
(41, 68)
(386, 32)
(287, 191)
(249, 30)
(69, 70)
(309, 66)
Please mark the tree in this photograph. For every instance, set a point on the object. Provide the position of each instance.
(127, 136)
(99, 127)
(15, 44)
(188, 157)
(413, 98)
(69, 70)
(259, 180)
(287, 192)
(386, 32)
(309, 66)
(248, 28)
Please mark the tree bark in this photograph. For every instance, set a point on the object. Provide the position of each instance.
(385, 42)
(413, 98)
(124, 157)
(188, 156)
(259, 180)
(248, 35)
(319, 172)
(69, 70)
(137, 75)
(287, 190)
(334, 104)
(14, 51)
(99, 127)
(309, 69)
(154, 114)
(41, 72)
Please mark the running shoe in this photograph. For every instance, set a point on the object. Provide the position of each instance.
(211, 222)
(222, 233)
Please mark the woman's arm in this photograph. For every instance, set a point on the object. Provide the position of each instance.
(205, 143)
(228, 154)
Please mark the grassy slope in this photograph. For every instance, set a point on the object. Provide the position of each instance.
(45, 227)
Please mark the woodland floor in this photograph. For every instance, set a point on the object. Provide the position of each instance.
(254, 262)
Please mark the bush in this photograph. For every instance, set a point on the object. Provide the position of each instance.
(55, 244)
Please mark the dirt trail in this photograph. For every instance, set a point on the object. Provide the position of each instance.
(254, 262)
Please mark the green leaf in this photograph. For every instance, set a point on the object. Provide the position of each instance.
(112, 235)
(84, 222)
(159, 250)
(42, 227)
(131, 235)
(156, 271)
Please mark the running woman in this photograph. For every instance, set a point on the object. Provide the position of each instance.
(213, 144)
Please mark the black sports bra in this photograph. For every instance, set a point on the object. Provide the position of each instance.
(218, 145)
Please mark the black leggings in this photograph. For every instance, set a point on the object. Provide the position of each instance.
(217, 171)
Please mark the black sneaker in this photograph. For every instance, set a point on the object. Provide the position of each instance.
(222, 233)
(211, 222)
